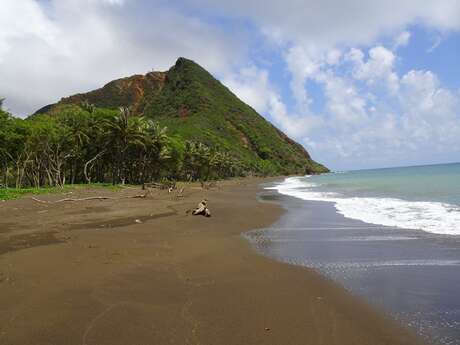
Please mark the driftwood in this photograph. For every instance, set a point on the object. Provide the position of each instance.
(202, 209)
(169, 186)
(138, 196)
(208, 185)
(71, 199)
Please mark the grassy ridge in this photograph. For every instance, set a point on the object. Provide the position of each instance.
(194, 105)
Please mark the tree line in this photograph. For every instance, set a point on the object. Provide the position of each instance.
(85, 144)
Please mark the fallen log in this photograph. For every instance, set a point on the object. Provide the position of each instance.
(72, 199)
(138, 196)
(208, 185)
(160, 185)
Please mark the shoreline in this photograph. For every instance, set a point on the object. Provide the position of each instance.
(407, 273)
(93, 275)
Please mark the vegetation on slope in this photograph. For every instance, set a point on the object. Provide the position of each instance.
(180, 124)
(195, 106)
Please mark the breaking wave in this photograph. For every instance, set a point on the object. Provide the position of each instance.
(433, 217)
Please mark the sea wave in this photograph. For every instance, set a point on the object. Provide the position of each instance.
(433, 217)
(344, 265)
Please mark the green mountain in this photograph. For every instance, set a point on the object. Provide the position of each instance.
(193, 105)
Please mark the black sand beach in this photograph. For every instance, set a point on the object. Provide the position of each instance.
(89, 273)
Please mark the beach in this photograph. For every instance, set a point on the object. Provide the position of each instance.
(144, 271)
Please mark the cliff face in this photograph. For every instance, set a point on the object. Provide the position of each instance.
(196, 106)
(127, 92)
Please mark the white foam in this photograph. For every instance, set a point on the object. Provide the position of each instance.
(274, 239)
(389, 263)
(433, 217)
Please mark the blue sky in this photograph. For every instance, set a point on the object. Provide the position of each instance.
(359, 84)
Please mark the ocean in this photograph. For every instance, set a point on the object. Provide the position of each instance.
(390, 235)
(422, 197)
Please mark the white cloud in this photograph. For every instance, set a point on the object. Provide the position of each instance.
(408, 118)
(379, 67)
(344, 103)
(430, 110)
(436, 42)
(333, 56)
(302, 64)
(252, 85)
(53, 49)
(420, 123)
(330, 22)
(402, 39)
(30, 22)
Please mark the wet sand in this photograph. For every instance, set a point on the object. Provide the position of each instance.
(410, 274)
(142, 271)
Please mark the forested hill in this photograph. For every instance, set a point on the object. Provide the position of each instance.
(194, 106)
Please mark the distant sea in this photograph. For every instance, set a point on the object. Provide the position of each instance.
(390, 235)
(422, 197)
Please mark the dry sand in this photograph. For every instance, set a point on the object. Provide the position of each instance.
(89, 273)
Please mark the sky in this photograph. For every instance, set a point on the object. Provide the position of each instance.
(360, 84)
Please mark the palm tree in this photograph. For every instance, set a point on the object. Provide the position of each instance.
(197, 160)
(223, 165)
(123, 131)
(155, 151)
